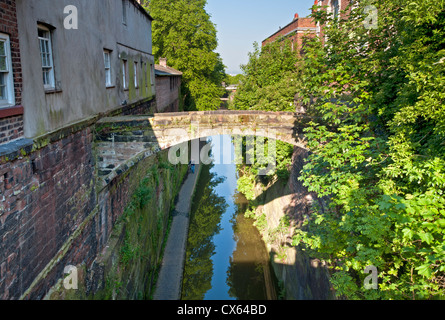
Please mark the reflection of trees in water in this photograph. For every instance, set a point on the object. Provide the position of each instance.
(207, 209)
(245, 275)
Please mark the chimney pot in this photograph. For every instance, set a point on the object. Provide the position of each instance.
(296, 16)
(163, 62)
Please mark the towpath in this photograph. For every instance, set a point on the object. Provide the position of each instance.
(169, 284)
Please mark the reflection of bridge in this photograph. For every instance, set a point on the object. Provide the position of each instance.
(123, 141)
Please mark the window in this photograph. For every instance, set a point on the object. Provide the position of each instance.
(107, 62)
(146, 70)
(136, 73)
(6, 76)
(46, 56)
(152, 75)
(124, 12)
(174, 82)
(124, 73)
(335, 8)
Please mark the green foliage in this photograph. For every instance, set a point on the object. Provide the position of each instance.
(128, 252)
(270, 82)
(270, 79)
(143, 194)
(236, 79)
(377, 149)
(183, 33)
(261, 222)
(246, 184)
(207, 210)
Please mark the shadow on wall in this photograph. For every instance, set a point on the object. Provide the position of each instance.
(303, 277)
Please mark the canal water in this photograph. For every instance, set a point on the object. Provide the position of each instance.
(226, 258)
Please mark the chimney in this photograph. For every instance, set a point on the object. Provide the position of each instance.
(296, 16)
(163, 62)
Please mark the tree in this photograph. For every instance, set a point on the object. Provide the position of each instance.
(183, 33)
(235, 80)
(270, 79)
(269, 82)
(377, 149)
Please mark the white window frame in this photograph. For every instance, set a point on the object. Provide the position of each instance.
(47, 58)
(7, 74)
(124, 73)
(124, 12)
(136, 74)
(152, 75)
(146, 74)
(332, 7)
(108, 70)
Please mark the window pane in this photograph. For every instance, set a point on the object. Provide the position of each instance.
(41, 33)
(45, 77)
(124, 73)
(2, 48)
(135, 74)
(3, 92)
(107, 76)
(3, 65)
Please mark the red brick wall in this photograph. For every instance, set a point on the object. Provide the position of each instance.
(46, 195)
(343, 5)
(298, 37)
(8, 25)
(167, 98)
(11, 128)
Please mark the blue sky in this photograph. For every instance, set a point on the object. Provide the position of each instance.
(242, 22)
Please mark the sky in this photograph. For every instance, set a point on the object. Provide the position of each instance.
(240, 23)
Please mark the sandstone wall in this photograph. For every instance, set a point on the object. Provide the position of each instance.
(302, 277)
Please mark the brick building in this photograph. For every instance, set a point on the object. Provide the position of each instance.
(338, 9)
(11, 110)
(295, 31)
(168, 86)
(299, 27)
(56, 83)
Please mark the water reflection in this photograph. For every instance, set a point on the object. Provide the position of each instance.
(226, 258)
(249, 276)
(207, 209)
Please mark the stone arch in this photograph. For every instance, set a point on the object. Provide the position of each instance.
(123, 141)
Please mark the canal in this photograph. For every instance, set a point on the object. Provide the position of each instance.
(226, 258)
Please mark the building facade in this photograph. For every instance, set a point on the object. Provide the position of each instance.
(11, 109)
(64, 65)
(99, 64)
(168, 86)
(337, 8)
(296, 31)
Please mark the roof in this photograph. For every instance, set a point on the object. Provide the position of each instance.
(142, 9)
(296, 21)
(166, 71)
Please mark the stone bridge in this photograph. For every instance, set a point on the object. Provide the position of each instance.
(123, 141)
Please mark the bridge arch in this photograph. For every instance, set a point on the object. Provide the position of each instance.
(123, 141)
